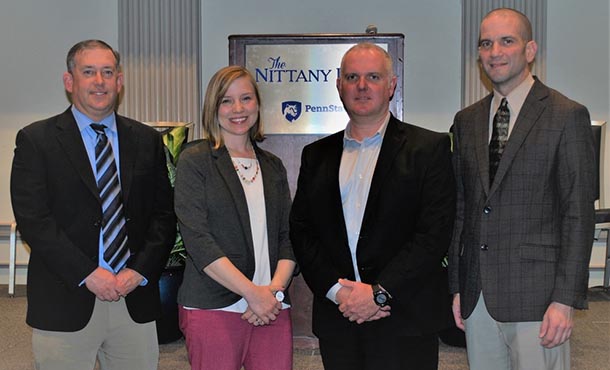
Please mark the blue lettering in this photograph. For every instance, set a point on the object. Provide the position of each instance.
(323, 108)
(301, 76)
(260, 73)
(276, 63)
(325, 73)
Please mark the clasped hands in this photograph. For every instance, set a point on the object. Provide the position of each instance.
(110, 287)
(356, 302)
(263, 307)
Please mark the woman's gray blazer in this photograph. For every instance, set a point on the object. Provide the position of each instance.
(213, 218)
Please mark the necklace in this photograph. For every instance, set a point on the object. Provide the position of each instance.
(241, 175)
(243, 165)
(237, 164)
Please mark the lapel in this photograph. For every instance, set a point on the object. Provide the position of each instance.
(393, 140)
(528, 116)
(333, 163)
(226, 168)
(481, 133)
(128, 142)
(71, 141)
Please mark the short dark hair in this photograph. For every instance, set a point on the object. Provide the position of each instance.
(526, 25)
(89, 44)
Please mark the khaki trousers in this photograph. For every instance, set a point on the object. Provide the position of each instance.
(111, 336)
(509, 345)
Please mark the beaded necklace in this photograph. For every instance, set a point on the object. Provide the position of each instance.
(241, 175)
(243, 165)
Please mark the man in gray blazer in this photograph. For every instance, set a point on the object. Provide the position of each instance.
(525, 168)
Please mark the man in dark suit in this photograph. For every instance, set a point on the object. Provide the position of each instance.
(525, 168)
(94, 203)
(370, 223)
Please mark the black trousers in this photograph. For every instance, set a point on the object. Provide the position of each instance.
(359, 350)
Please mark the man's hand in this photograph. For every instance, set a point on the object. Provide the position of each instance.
(127, 281)
(343, 294)
(380, 314)
(457, 312)
(102, 283)
(556, 325)
(359, 305)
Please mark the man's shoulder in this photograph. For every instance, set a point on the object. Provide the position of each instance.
(139, 127)
(49, 122)
(417, 133)
(476, 107)
(559, 99)
(330, 141)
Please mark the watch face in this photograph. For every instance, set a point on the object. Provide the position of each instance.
(381, 298)
(279, 295)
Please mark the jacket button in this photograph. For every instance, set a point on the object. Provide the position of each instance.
(97, 223)
(484, 247)
(487, 210)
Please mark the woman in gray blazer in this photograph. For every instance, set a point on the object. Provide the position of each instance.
(232, 201)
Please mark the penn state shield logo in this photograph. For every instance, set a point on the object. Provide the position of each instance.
(291, 110)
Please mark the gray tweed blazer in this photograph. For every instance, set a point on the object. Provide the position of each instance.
(526, 239)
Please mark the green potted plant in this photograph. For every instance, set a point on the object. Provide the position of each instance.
(175, 135)
(173, 139)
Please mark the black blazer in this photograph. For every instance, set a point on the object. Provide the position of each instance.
(404, 235)
(57, 207)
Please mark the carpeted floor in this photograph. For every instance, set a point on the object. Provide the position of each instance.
(590, 340)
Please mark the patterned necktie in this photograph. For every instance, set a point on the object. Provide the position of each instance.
(499, 137)
(114, 230)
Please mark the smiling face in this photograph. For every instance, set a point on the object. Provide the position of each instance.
(238, 109)
(504, 51)
(94, 82)
(366, 84)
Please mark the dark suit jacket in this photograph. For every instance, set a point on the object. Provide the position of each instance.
(58, 212)
(526, 239)
(404, 235)
(214, 220)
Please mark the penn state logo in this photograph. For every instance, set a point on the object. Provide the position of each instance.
(291, 110)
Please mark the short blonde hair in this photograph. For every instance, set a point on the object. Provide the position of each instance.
(217, 88)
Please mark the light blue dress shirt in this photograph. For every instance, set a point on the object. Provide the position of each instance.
(358, 163)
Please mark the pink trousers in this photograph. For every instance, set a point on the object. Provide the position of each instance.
(219, 340)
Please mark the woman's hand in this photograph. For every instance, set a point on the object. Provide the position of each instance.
(263, 307)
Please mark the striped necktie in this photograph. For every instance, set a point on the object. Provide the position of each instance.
(499, 137)
(114, 230)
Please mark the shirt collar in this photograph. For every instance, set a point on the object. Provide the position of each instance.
(379, 134)
(84, 122)
(515, 98)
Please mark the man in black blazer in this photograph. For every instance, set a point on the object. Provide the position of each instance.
(370, 224)
(519, 258)
(78, 305)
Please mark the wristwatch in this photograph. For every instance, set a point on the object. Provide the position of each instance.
(279, 295)
(380, 296)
